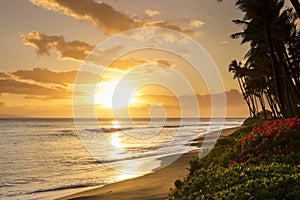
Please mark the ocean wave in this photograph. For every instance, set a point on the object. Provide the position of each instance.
(143, 153)
(64, 133)
(127, 159)
(172, 126)
(107, 130)
(75, 186)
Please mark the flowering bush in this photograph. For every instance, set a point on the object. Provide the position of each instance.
(266, 181)
(267, 140)
(264, 163)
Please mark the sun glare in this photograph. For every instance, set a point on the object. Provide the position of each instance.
(106, 91)
(116, 140)
(115, 124)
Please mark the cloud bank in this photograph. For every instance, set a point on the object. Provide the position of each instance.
(43, 83)
(13, 86)
(74, 50)
(104, 16)
(44, 75)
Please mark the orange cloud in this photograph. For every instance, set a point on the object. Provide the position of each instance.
(152, 13)
(196, 23)
(101, 14)
(127, 64)
(74, 50)
(43, 83)
(4, 75)
(44, 75)
(165, 63)
(104, 16)
(11, 86)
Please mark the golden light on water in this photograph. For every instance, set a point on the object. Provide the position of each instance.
(116, 140)
(115, 124)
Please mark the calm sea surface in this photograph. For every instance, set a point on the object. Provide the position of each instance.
(46, 158)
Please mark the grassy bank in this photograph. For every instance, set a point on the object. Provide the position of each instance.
(258, 161)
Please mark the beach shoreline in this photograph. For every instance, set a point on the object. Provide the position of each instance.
(155, 185)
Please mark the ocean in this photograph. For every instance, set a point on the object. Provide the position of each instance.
(51, 158)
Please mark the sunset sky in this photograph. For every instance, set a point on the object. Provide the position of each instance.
(43, 44)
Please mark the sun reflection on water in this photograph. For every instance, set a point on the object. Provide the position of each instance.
(127, 168)
(116, 140)
(115, 124)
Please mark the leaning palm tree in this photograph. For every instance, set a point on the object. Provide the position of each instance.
(239, 74)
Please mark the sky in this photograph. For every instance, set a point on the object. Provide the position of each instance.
(46, 44)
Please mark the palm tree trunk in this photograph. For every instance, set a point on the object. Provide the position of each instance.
(276, 75)
(293, 96)
(245, 98)
(272, 103)
(262, 103)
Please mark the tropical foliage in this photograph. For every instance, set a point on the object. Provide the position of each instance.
(267, 141)
(270, 75)
(259, 162)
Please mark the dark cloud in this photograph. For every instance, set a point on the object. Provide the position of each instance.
(75, 50)
(12, 86)
(103, 15)
(44, 75)
(164, 63)
(4, 75)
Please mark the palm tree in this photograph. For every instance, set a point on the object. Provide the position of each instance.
(295, 4)
(239, 74)
(272, 37)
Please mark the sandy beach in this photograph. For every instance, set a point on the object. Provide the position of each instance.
(151, 186)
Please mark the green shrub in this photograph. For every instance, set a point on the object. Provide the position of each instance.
(221, 154)
(252, 121)
(266, 181)
(273, 172)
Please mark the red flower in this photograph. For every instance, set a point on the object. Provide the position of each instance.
(278, 134)
(244, 139)
(244, 159)
(232, 163)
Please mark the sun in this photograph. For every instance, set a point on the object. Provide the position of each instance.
(114, 94)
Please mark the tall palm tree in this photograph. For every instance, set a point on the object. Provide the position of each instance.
(271, 33)
(239, 74)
